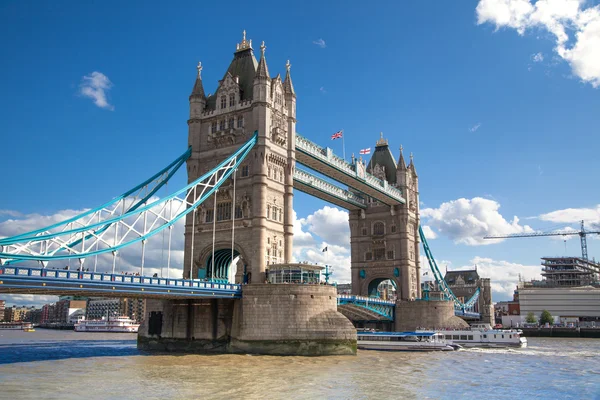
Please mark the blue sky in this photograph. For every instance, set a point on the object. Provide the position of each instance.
(496, 107)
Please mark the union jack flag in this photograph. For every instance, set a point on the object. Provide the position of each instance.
(365, 151)
(336, 135)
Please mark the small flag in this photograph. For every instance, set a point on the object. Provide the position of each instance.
(365, 151)
(325, 249)
(336, 135)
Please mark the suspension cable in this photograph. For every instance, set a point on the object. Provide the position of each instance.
(97, 242)
(192, 246)
(233, 208)
(144, 241)
(212, 271)
(170, 234)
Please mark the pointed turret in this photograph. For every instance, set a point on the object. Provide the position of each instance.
(411, 166)
(401, 162)
(287, 84)
(383, 159)
(198, 90)
(262, 72)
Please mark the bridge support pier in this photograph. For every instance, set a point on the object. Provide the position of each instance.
(268, 319)
(426, 314)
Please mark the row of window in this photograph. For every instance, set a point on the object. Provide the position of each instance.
(223, 212)
(378, 229)
(274, 213)
(226, 124)
(381, 255)
(275, 173)
(224, 101)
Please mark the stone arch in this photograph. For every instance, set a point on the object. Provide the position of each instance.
(369, 285)
(223, 261)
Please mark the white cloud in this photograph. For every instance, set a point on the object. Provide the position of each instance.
(320, 42)
(96, 86)
(504, 275)
(537, 57)
(468, 221)
(429, 233)
(330, 224)
(576, 29)
(475, 127)
(28, 300)
(322, 90)
(573, 215)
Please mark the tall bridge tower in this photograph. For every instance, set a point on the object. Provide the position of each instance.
(385, 239)
(246, 100)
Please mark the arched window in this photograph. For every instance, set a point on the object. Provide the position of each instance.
(378, 228)
(240, 122)
(231, 100)
(223, 101)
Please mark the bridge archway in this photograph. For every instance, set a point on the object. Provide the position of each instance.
(225, 266)
(382, 286)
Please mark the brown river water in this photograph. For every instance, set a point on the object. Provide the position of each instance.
(49, 364)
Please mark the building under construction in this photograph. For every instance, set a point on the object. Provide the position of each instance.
(569, 271)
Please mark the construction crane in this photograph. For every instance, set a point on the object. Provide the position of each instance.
(582, 234)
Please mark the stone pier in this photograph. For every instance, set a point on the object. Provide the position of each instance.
(269, 319)
(426, 314)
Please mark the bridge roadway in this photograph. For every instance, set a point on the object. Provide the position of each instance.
(43, 281)
(353, 175)
(28, 280)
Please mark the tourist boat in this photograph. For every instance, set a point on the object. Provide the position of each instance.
(16, 326)
(482, 335)
(121, 324)
(404, 341)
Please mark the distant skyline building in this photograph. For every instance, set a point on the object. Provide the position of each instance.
(100, 307)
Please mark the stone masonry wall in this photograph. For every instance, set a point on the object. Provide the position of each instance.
(426, 314)
(292, 319)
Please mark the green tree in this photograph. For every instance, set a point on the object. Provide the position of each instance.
(530, 318)
(546, 318)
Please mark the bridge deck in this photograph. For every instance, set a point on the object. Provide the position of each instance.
(26, 280)
(317, 187)
(324, 161)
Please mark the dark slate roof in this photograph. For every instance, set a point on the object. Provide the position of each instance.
(384, 157)
(262, 70)
(470, 276)
(244, 65)
(198, 88)
(287, 84)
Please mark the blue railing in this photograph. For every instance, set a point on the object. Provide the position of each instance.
(102, 277)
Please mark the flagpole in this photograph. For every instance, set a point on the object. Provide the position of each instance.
(343, 146)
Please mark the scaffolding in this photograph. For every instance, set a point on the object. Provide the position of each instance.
(569, 271)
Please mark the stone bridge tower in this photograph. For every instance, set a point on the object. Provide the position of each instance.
(246, 100)
(385, 240)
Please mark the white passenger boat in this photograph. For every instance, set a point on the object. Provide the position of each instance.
(482, 335)
(403, 341)
(16, 326)
(116, 324)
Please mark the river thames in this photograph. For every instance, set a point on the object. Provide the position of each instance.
(50, 364)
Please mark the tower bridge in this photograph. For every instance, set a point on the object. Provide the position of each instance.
(238, 211)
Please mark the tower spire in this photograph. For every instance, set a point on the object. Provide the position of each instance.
(198, 89)
(287, 83)
(262, 71)
(412, 164)
(244, 44)
(401, 162)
